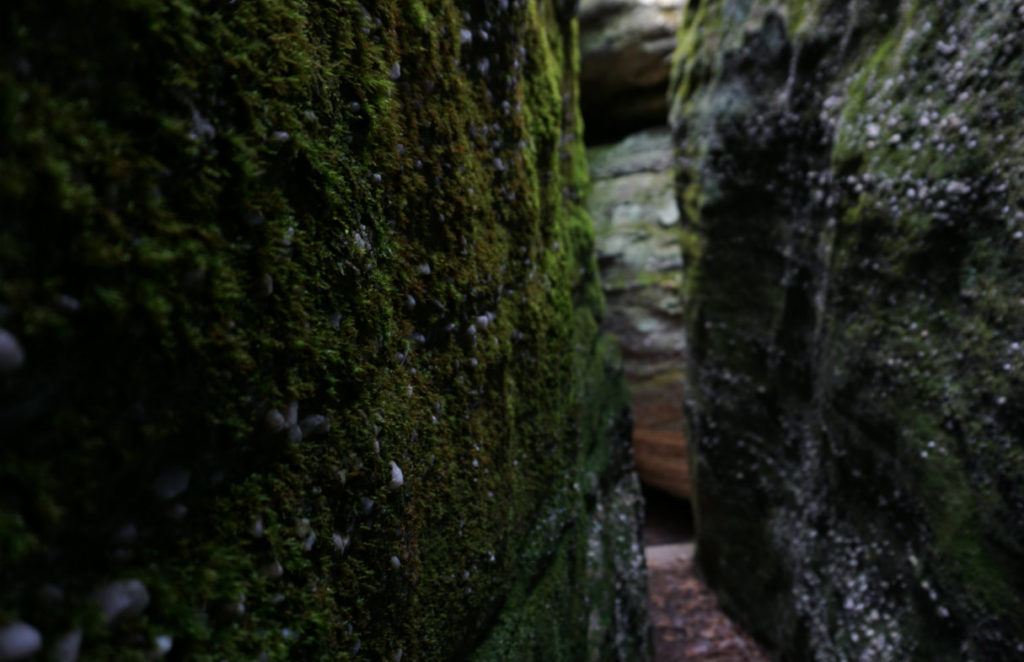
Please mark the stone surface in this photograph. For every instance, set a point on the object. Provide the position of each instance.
(626, 48)
(632, 202)
(329, 266)
(851, 183)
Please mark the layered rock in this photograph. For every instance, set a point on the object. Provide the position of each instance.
(851, 185)
(636, 220)
(626, 49)
(300, 354)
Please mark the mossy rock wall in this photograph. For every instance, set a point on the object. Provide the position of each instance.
(308, 310)
(852, 187)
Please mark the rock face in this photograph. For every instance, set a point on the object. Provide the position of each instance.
(626, 49)
(852, 189)
(636, 219)
(307, 315)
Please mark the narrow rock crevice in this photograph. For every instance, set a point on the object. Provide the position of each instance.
(626, 49)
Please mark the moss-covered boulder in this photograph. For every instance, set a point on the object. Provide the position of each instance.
(853, 193)
(299, 354)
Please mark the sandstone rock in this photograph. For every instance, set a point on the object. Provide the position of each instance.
(626, 48)
(852, 176)
(636, 219)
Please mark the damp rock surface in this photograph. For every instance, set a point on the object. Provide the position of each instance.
(850, 182)
(335, 348)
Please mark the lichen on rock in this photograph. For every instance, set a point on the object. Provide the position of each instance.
(850, 181)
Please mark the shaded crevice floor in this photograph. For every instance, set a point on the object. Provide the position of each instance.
(688, 624)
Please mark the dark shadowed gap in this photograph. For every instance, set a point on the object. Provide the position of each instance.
(667, 519)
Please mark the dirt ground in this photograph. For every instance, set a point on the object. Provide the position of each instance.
(688, 625)
(687, 622)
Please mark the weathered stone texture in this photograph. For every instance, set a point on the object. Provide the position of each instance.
(299, 355)
(626, 49)
(852, 190)
(636, 220)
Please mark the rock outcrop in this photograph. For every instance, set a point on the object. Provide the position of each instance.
(636, 220)
(852, 187)
(626, 50)
(300, 354)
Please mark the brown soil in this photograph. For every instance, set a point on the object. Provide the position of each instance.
(687, 622)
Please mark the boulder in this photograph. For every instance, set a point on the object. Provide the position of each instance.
(626, 48)
(300, 355)
(851, 178)
(636, 220)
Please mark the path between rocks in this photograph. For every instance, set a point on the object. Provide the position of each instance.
(687, 622)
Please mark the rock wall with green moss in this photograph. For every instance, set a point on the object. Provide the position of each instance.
(852, 181)
(299, 354)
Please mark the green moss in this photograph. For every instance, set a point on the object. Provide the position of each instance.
(219, 210)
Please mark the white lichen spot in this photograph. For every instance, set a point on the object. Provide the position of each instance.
(19, 640)
(12, 356)
(123, 598)
(957, 188)
(396, 476)
(395, 563)
(315, 424)
(171, 482)
(274, 421)
(273, 570)
(67, 647)
(163, 644)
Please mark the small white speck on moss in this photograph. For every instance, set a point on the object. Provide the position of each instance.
(122, 598)
(171, 482)
(19, 640)
(273, 570)
(12, 356)
(397, 478)
(275, 421)
(67, 647)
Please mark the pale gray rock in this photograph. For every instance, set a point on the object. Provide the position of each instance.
(626, 50)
